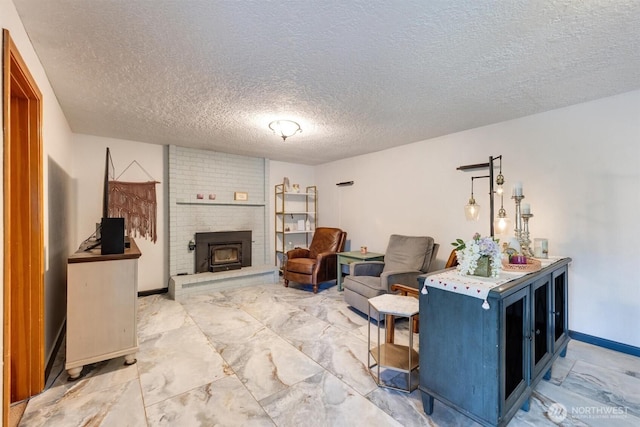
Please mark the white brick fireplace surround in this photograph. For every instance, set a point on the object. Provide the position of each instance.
(193, 172)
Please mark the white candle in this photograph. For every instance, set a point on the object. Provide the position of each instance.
(517, 189)
(526, 208)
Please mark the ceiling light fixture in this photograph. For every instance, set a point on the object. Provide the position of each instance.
(284, 128)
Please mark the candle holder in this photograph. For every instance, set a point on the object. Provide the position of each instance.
(522, 227)
(518, 217)
(525, 242)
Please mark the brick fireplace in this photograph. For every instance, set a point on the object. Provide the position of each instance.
(202, 184)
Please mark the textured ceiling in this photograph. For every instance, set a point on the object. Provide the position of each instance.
(359, 76)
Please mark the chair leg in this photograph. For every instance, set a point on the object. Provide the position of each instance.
(286, 283)
(315, 289)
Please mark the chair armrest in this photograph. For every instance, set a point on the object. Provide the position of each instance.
(405, 290)
(298, 253)
(366, 268)
(405, 277)
(326, 255)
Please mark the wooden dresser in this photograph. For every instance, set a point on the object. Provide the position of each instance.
(102, 292)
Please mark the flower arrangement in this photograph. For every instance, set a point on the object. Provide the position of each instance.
(470, 253)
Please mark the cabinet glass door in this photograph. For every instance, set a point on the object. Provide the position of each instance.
(516, 345)
(560, 306)
(541, 324)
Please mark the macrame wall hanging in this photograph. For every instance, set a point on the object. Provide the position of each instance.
(136, 203)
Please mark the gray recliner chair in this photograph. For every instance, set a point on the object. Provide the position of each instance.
(406, 258)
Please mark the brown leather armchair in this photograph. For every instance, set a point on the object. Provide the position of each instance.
(318, 263)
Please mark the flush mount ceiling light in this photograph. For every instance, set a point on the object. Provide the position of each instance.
(284, 128)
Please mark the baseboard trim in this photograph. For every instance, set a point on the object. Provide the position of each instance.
(605, 343)
(153, 292)
(54, 352)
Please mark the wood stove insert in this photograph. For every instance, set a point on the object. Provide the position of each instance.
(222, 251)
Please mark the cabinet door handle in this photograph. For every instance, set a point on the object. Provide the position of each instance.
(537, 331)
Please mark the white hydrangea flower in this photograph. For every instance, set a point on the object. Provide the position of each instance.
(473, 249)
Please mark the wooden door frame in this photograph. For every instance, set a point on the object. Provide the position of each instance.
(23, 267)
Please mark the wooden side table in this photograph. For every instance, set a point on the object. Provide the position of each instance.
(388, 355)
(346, 258)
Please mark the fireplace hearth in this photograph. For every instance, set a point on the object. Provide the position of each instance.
(222, 251)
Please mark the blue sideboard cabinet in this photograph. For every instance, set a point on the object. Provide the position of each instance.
(485, 363)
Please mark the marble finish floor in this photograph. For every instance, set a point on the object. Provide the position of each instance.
(274, 356)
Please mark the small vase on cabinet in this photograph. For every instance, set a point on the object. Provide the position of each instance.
(483, 267)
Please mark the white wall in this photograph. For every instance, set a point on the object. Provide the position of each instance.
(89, 157)
(58, 193)
(580, 168)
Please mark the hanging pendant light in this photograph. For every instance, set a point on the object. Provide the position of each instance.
(500, 182)
(502, 222)
(472, 209)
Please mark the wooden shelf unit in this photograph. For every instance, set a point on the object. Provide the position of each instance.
(291, 207)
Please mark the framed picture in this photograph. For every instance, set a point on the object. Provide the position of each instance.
(241, 196)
